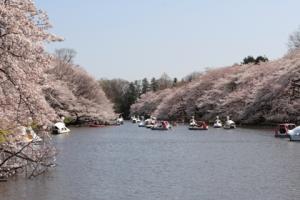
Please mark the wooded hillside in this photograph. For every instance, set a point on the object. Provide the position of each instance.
(250, 94)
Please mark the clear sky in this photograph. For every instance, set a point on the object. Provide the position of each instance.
(132, 39)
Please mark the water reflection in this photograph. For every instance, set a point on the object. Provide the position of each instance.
(128, 162)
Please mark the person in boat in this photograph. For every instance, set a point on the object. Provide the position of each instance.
(164, 124)
(199, 123)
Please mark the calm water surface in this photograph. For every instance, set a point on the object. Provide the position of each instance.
(134, 163)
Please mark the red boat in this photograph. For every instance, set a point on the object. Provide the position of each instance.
(282, 129)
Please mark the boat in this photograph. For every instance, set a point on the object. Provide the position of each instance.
(282, 129)
(217, 123)
(229, 124)
(138, 120)
(149, 123)
(197, 125)
(120, 121)
(142, 124)
(161, 126)
(60, 128)
(294, 134)
(134, 119)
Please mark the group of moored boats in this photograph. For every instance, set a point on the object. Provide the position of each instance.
(201, 125)
(152, 123)
(60, 127)
(285, 130)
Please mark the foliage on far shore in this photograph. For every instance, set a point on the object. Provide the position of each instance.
(250, 94)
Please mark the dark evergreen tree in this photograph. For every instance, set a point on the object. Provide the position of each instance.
(154, 85)
(138, 87)
(257, 60)
(175, 82)
(261, 59)
(248, 60)
(145, 85)
(129, 98)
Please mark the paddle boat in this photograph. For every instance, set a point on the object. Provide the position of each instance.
(294, 134)
(120, 121)
(217, 123)
(134, 119)
(282, 129)
(197, 125)
(161, 126)
(138, 120)
(149, 123)
(60, 128)
(142, 124)
(229, 124)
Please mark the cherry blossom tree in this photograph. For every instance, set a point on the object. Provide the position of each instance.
(248, 93)
(23, 31)
(72, 92)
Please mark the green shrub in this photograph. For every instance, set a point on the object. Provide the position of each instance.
(68, 120)
(3, 134)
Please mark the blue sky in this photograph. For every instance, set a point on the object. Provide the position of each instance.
(132, 39)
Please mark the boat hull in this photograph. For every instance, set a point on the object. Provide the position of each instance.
(282, 135)
(198, 128)
(60, 132)
(217, 126)
(159, 129)
(294, 137)
(230, 127)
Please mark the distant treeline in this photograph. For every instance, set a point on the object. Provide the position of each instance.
(124, 93)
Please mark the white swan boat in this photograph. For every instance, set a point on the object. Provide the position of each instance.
(138, 120)
(294, 134)
(229, 124)
(217, 123)
(120, 121)
(60, 128)
(134, 119)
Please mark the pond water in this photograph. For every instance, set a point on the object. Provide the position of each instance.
(131, 163)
